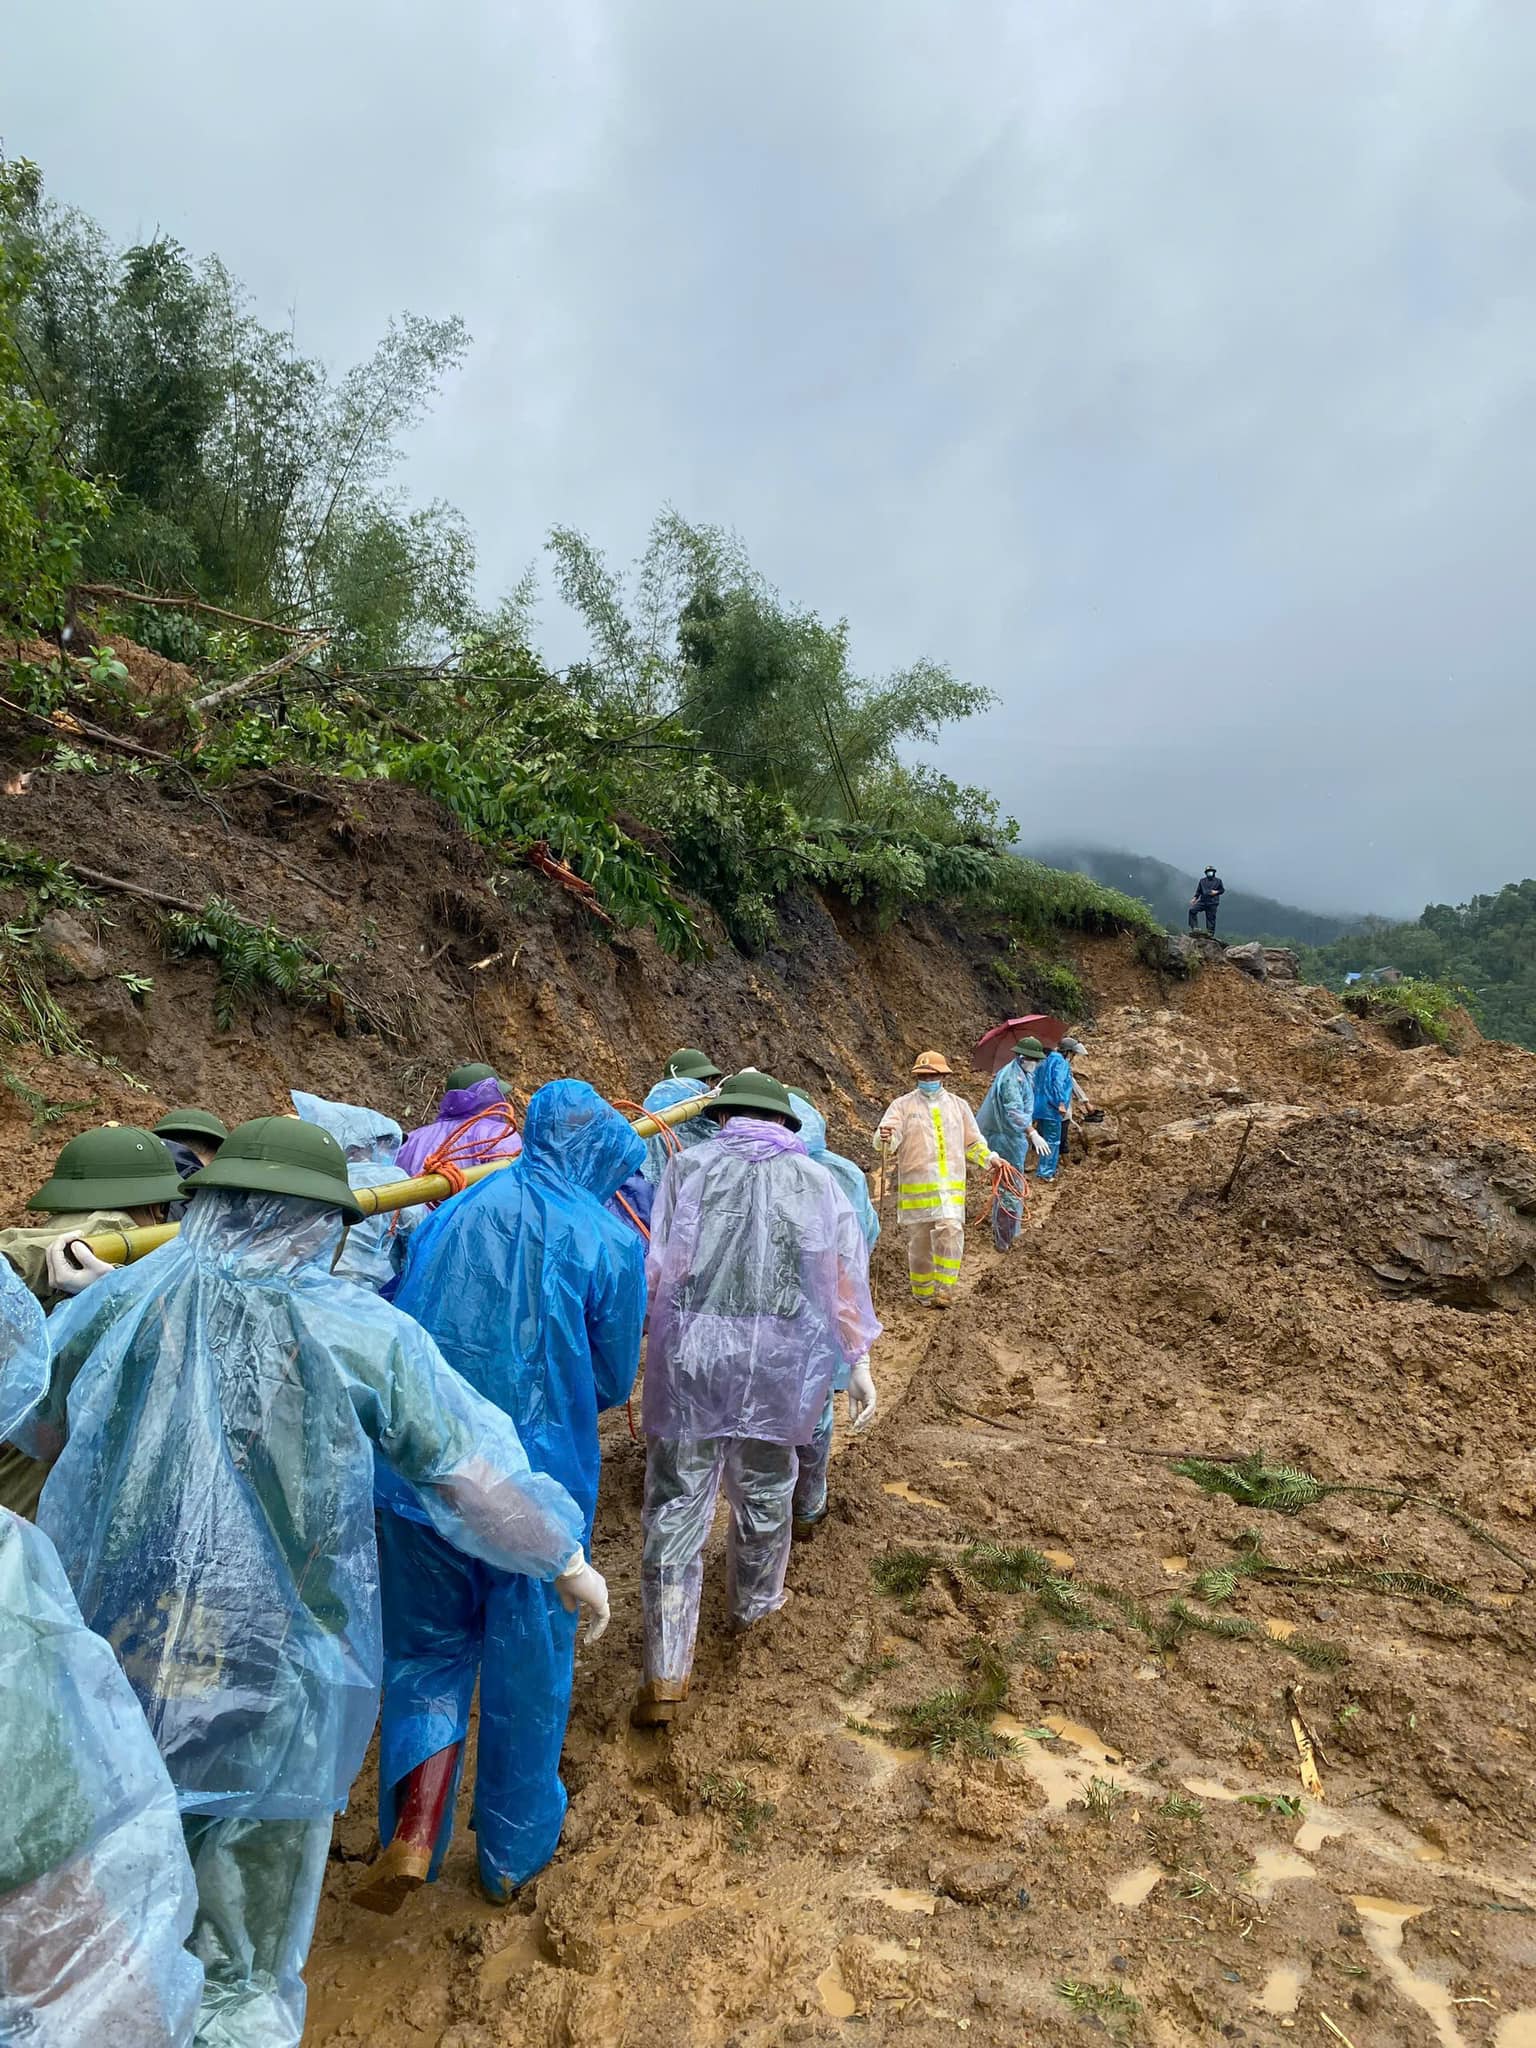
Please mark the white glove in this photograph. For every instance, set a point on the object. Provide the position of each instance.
(1039, 1144)
(862, 1401)
(582, 1588)
(72, 1265)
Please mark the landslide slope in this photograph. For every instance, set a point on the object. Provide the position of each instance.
(919, 1803)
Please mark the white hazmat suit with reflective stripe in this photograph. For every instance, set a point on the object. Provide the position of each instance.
(931, 1136)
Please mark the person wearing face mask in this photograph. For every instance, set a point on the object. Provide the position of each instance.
(1007, 1117)
(930, 1136)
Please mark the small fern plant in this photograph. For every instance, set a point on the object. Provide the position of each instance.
(253, 960)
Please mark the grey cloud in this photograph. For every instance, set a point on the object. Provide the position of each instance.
(1167, 367)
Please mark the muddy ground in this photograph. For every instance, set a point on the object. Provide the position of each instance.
(1139, 1854)
(1114, 1834)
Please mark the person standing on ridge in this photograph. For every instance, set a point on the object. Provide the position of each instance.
(759, 1279)
(930, 1135)
(1209, 891)
(1053, 1106)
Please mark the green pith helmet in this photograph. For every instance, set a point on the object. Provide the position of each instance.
(690, 1065)
(192, 1123)
(279, 1155)
(468, 1076)
(118, 1167)
(1029, 1049)
(751, 1090)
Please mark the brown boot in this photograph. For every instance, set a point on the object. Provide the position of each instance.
(657, 1701)
(400, 1870)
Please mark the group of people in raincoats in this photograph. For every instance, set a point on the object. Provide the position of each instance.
(307, 1454)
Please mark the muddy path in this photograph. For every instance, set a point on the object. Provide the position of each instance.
(1027, 1796)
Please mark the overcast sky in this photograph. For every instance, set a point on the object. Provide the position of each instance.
(1167, 365)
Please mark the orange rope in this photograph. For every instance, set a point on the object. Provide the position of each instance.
(1006, 1179)
(672, 1144)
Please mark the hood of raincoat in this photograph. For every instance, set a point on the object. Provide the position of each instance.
(570, 1134)
(759, 1278)
(535, 1292)
(666, 1095)
(813, 1125)
(361, 1133)
(213, 1506)
(458, 1103)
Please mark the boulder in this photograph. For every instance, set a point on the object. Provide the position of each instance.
(66, 943)
(1281, 963)
(1249, 959)
(1344, 1027)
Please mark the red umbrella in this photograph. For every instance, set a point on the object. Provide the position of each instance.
(994, 1048)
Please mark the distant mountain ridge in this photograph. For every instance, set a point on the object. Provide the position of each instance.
(1168, 889)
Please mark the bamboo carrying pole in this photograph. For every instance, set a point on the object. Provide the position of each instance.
(122, 1247)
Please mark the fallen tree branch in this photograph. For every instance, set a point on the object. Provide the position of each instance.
(190, 604)
(126, 888)
(1237, 1164)
(244, 684)
(66, 725)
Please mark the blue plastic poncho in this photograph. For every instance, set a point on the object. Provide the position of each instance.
(1006, 1113)
(374, 1251)
(213, 1505)
(96, 1894)
(759, 1279)
(666, 1095)
(537, 1294)
(1052, 1088)
(850, 1177)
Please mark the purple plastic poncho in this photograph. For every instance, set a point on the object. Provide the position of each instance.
(467, 1116)
(759, 1279)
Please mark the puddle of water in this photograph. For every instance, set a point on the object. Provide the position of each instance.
(955, 1464)
(877, 1745)
(510, 1960)
(1322, 1827)
(901, 1489)
(1174, 1565)
(1063, 1560)
(1516, 2030)
(1210, 1788)
(1086, 1739)
(1280, 1631)
(1136, 1887)
(1281, 1993)
(1382, 1921)
(1275, 1867)
(834, 1994)
(902, 1901)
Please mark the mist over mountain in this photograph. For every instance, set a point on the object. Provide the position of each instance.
(1244, 914)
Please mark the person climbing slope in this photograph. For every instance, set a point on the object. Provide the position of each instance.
(536, 1294)
(474, 1124)
(1206, 900)
(96, 1893)
(856, 1380)
(687, 1074)
(1007, 1117)
(214, 1410)
(759, 1279)
(930, 1136)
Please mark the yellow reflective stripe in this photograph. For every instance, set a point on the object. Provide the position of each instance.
(930, 1187)
(946, 1265)
(937, 1114)
(977, 1153)
(949, 1279)
(925, 1204)
(922, 1288)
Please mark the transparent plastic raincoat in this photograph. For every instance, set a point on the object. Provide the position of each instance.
(374, 1252)
(213, 1504)
(666, 1095)
(96, 1894)
(536, 1293)
(759, 1289)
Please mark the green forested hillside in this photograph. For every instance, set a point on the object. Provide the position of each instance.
(175, 471)
(1168, 889)
(1487, 947)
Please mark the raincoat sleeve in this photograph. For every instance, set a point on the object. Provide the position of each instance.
(74, 1330)
(894, 1119)
(615, 1318)
(857, 1324)
(96, 1893)
(461, 1454)
(24, 1360)
(1016, 1097)
(976, 1146)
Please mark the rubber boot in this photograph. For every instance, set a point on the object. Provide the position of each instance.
(657, 1702)
(401, 1868)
